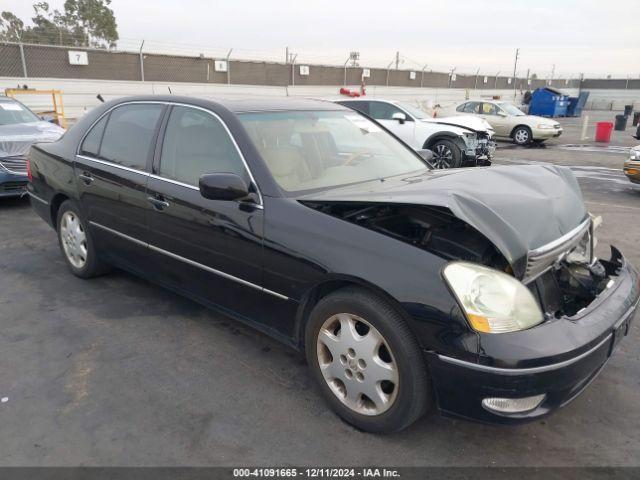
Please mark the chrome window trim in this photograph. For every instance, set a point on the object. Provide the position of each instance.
(36, 197)
(159, 177)
(524, 371)
(190, 262)
(111, 164)
(233, 140)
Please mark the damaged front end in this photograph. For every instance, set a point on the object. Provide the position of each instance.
(564, 276)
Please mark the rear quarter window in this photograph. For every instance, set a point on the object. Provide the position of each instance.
(91, 143)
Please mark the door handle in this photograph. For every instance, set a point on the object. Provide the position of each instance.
(86, 178)
(158, 202)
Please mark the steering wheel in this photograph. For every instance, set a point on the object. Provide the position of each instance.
(354, 156)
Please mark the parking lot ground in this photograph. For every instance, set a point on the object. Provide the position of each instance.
(117, 371)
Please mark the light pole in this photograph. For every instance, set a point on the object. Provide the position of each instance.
(389, 68)
(515, 64)
(422, 75)
(353, 58)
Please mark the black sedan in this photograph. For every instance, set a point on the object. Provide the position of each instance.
(476, 290)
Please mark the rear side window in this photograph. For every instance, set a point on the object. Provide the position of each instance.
(91, 144)
(195, 143)
(470, 107)
(129, 133)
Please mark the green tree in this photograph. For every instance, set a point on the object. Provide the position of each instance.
(82, 23)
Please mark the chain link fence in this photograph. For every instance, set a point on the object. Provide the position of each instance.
(52, 61)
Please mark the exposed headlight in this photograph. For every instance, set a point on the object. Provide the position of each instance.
(493, 302)
(635, 154)
(546, 126)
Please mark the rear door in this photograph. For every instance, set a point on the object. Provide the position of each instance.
(112, 172)
(211, 249)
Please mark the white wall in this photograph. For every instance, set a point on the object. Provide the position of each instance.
(80, 95)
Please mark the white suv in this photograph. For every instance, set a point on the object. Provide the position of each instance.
(455, 141)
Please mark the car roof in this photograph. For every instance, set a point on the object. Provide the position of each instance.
(243, 105)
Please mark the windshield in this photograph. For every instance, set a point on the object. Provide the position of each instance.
(13, 112)
(323, 149)
(511, 109)
(413, 111)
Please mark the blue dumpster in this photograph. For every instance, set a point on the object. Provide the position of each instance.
(548, 102)
(576, 104)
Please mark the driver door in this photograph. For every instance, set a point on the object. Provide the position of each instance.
(497, 118)
(383, 112)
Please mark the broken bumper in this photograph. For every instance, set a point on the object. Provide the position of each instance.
(569, 353)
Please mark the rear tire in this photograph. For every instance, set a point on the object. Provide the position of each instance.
(76, 243)
(392, 371)
(522, 136)
(446, 155)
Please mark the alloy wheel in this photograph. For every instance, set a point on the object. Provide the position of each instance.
(74, 239)
(443, 157)
(357, 364)
(521, 136)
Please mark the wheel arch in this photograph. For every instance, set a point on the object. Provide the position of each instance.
(57, 200)
(521, 125)
(441, 136)
(316, 293)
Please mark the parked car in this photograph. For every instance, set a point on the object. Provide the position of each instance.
(632, 165)
(509, 121)
(473, 289)
(456, 142)
(19, 129)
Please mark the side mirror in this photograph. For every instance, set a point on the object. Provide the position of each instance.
(223, 186)
(400, 117)
(426, 154)
(502, 114)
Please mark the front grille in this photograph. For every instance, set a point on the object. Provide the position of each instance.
(16, 165)
(541, 259)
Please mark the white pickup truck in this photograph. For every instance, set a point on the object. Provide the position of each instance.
(459, 141)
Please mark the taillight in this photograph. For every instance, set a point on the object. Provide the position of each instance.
(29, 170)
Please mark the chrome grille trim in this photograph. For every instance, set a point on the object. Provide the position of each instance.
(543, 258)
(16, 165)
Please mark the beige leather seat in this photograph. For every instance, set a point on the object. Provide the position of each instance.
(287, 165)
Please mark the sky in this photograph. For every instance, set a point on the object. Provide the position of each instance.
(567, 36)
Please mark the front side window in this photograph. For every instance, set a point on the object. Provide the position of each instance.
(360, 106)
(510, 109)
(383, 111)
(322, 149)
(129, 133)
(490, 109)
(195, 143)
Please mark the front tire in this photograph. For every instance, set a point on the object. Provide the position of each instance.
(76, 243)
(522, 136)
(446, 155)
(367, 362)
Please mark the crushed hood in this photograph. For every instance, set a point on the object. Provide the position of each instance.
(470, 122)
(518, 208)
(16, 139)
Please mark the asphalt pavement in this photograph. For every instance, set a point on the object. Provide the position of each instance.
(117, 371)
